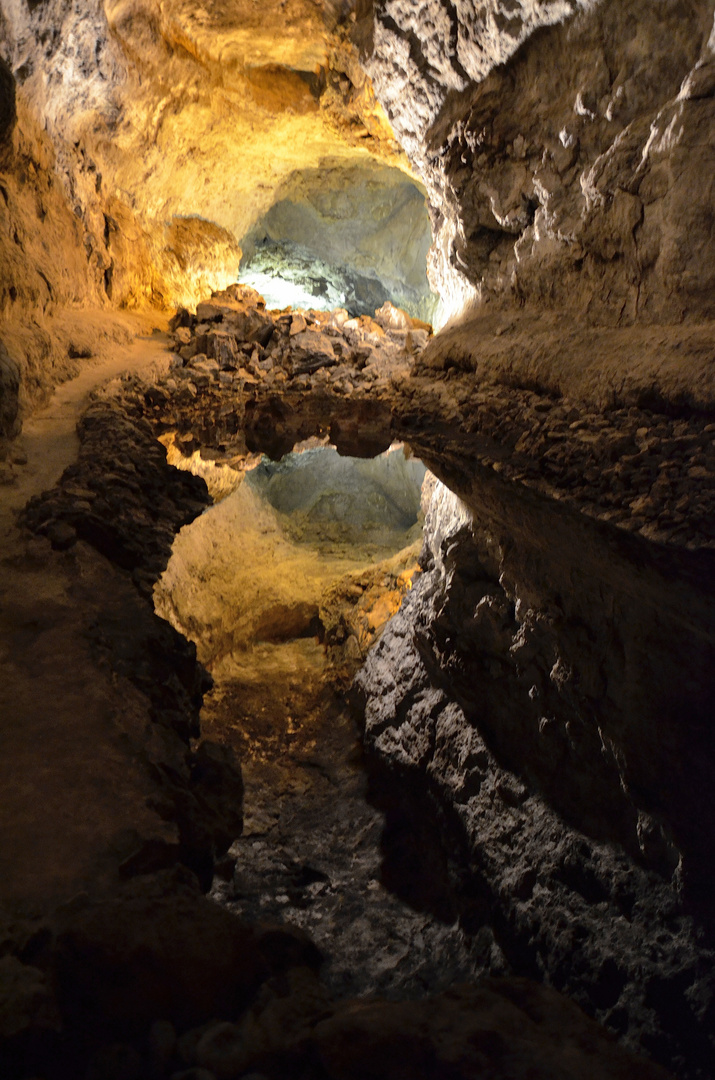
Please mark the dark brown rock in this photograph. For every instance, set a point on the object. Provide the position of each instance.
(159, 951)
(504, 1029)
(8, 112)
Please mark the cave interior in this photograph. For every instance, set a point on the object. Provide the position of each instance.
(357, 534)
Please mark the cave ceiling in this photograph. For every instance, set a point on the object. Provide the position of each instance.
(198, 110)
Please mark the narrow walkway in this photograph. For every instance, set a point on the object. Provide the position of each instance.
(63, 722)
(48, 443)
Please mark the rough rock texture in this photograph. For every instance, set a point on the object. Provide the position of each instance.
(369, 224)
(8, 111)
(564, 627)
(566, 148)
(123, 501)
(147, 142)
(145, 977)
(549, 681)
(249, 379)
(525, 685)
(158, 117)
(549, 678)
(495, 1028)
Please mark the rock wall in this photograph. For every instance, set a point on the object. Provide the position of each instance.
(149, 139)
(566, 149)
(548, 680)
(549, 686)
(157, 115)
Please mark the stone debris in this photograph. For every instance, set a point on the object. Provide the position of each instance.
(641, 470)
(120, 496)
(334, 351)
(644, 471)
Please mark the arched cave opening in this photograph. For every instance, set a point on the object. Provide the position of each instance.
(286, 540)
(343, 236)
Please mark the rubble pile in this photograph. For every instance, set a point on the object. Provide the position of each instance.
(233, 340)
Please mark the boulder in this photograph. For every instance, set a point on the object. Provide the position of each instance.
(161, 950)
(311, 350)
(250, 325)
(504, 1029)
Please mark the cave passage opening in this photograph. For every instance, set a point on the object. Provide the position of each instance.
(343, 236)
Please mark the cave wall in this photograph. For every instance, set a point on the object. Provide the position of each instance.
(567, 149)
(547, 688)
(158, 113)
(149, 139)
(567, 152)
(548, 682)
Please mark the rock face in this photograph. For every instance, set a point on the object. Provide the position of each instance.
(548, 680)
(140, 975)
(147, 143)
(537, 715)
(558, 674)
(8, 110)
(233, 92)
(118, 521)
(542, 703)
(570, 166)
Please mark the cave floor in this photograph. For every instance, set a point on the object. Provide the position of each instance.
(53, 694)
(311, 852)
(120, 343)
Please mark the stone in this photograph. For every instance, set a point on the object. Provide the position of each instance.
(392, 318)
(209, 311)
(250, 325)
(310, 351)
(222, 347)
(181, 319)
(8, 111)
(61, 534)
(222, 1050)
(187, 352)
(509, 1027)
(205, 364)
(122, 962)
(162, 1045)
(182, 335)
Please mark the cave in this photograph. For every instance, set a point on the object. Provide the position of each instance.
(357, 462)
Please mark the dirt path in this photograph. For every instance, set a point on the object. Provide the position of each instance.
(48, 443)
(63, 723)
